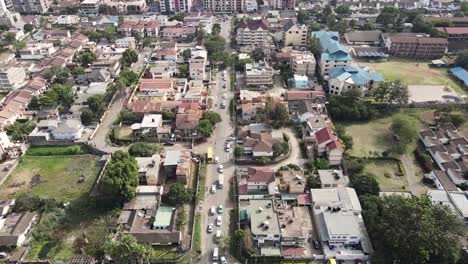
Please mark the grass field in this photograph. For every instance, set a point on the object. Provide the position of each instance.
(52, 176)
(385, 172)
(413, 72)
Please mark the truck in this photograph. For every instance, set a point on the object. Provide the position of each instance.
(220, 181)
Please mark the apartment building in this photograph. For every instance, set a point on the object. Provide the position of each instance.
(455, 33)
(333, 54)
(126, 7)
(282, 4)
(417, 47)
(90, 7)
(31, 6)
(228, 6)
(142, 28)
(344, 79)
(37, 51)
(6, 5)
(11, 78)
(197, 69)
(252, 32)
(174, 6)
(258, 74)
(125, 43)
(295, 34)
(303, 63)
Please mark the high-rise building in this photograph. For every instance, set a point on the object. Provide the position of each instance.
(228, 6)
(30, 6)
(6, 5)
(175, 6)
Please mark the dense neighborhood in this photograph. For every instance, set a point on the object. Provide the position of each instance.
(254, 131)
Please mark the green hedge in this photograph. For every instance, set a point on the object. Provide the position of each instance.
(54, 150)
(197, 234)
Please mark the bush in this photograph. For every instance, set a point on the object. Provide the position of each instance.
(263, 160)
(55, 150)
(293, 167)
(142, 149)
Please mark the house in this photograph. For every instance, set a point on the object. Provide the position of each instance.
(294, 97)
(5, 207)
(125, 43)
(367, 37)
(142, 28)
(455, 200)
(327, 144)
(252, 32)
(255, 182)
(333, 54)
(345, 79)
(460, 74)
(148, 169)
(15, 228)
(295, 34)
(296, 227)
(177, 165)
(12, 77)
(259, 139)
(127, 7)
(112, 66)
(152, 127)
(53, 129)
(90, 7)
(341, 228)
(186, 124)
(290, 181)
(179, 32)
(37, 51)
(197, 69)
(31, 7)
(96, 75)
(332, 179)
(258, 74)
(162, 70)
(455, 33)
(260, 216)
(303, 63)
(174, 6)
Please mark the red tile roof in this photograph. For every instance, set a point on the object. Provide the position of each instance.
(187, 121)
(293, 251)
(144, 106)
(304, 199)
(335, 145)
(325, 134)
(303, 95)
(156, 84)
(454, 30)
(260, 174)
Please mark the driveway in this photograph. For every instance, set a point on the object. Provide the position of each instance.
(296, 155)
(414, 184)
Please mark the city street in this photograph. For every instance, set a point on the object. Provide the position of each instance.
(217, 141)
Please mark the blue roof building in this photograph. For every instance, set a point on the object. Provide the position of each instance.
(343, 79)
(333, 54)
(461, 74)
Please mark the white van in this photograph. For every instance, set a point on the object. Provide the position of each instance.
(218, 235)
(216, 160)
(215, 253)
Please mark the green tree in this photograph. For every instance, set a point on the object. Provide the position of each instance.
(27, 202)
(128, 78)
(354, 166)
(392, 92)
(28, 27)
(314, 26)
(314, 46)
(127, 116)
(462, 59)
(87, 117)
(127, 250)
(77, 70)
(129, 56)
(10, 37)
(457, 119)
(216, 29)
(343, 10)
(238, 151)
(179, 17)
(205, 128)
(181, 218)
(97, 104)
(277, 114)
(365, 185)
(86, 58)
(412, 230)
(215, 46)
(312, 181)
(168, 115)
(34, 103)
(302, 16)
(143, 149)
(258, 54)
(178, 195)
(213, 117)
(121, 176)
(404, 127)
(147, 42)
(58, 94)
(19, 45)
(184, 70)
(187, 54)
(20, 130)
(61, 74)
(321, 164)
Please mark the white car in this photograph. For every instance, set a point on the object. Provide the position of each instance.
(212, 210)
(223, 260)
(3, 255)
(210, 228)
(224, 96)
(228, 147)
(219, 220)
(216, 160)
(220, 168)
(231, 138)
(213, 188)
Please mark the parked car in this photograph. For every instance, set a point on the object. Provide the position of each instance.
(213, 188)
(210, 228)
(224, 96)
(220, 209)
(169, 143)
(7, 167)
(219, 220)
(3, 255)
(220, 168)
(223, 260)
(231, 138)
(316, 244)
(195, 159)
(228, 147)
(216, 160)
(212, 210)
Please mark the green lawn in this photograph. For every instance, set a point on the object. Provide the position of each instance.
(385, 172)
(413, 72)
(52, 176)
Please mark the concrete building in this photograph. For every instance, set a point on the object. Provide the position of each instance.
(417, 47)
(148, 169)
(175, 6)
(455, 200)
(197, 69)
(341, 229)
(369, 37)
(12, 77)
(37, 51)
(332, 179)
(263, 221)
(31, 6)
(227, 7)
(11, 20)
(344, 79)
(303, 63)
(252, 32)
(295, 34)
(15, 228)
(90, 7)
(258, 74)
(333, 54)
(126, 7)
(6, 5)
(125, 43)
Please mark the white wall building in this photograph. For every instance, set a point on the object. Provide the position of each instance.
(12, 78)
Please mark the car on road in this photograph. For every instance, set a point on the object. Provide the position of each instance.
(3, 255)
(230, 138)
(169, 143)
(219, 220)
(220, 209)
(216, 160)
(220, 168)
(210, 228)
(213, 188)
(7, 167)
(223, 104)
(223, 260)
(228, 147)
(224, 96)
(212, 210)
(316, 244)
(195, 159)
(224, 86)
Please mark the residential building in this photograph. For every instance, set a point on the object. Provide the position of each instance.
(328, 145)
(229, 6)
(341, 228)
(255, 181)
(90, 7)
(455, 200)
(197, 69)
(260, 216)
(152, 127)
(175, 6)
(282, 4)
(296, 227)
(37, 51)
(96, 75)
(179, 32)
(126, 7)
(417, 47)
(455, 33)
(141, 28)
(453, 21)
(6, 5)
(148, 169)
(125, 43)
(250, 6)
(332, 179)
(59, 35)
(295, 34)
(11, 19)
(257, 74)
(366, 37)
(56, 130)
(345, 79)
(177, 165)
(259, 139)
(112, 66)
(252, 32)
(15, 228)
(31, 6)
(12, 77)
(290, 181)
(333, 54)
(303, 63)
(162, 70)
(6, 205)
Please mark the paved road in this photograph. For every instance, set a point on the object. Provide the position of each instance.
(414, 184)
(217, 141)
(296, 155)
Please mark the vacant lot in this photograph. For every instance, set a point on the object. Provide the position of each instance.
(385, 172)
(52, 176)
(413, 72)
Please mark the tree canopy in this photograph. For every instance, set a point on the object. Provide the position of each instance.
(412, 230)
(178, 195)
(143, 149)
(20, 130)
(349, 109)
(391, 92)
(365, 185)
(58, 94)
(129, 56)
(212, 116)
(86, 58)
(404, 127)
(121, 176)
(277, 114)
(205, 128)
(127, 249)
(462, 59)
(128, 77)
(215, 46)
